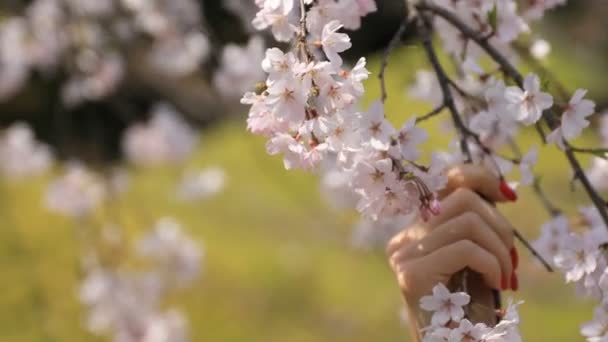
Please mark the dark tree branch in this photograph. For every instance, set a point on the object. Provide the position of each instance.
(387, 52)
(551, 209)
(532, 250)
(598, 152)
(444, 83)
(431, 114)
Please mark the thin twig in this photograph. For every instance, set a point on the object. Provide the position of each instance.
(550, 207)
(387, 52)
(432, 113)
(598, 152)
(459, 89)
(541, 132)
(531, 249)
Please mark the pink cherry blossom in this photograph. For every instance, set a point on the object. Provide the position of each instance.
(528, 104)
(574, 118)
(445, 306)
(333, 42)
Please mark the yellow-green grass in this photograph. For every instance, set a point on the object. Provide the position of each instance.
(278, 263)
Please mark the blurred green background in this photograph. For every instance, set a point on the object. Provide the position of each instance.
(279, 265)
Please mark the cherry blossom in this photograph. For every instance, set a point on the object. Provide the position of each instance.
(165, 138)
(277, 15)
(445, 306)
(77, 193)
(493, 129)
(86, 39)
(468, 332)
(21, 155)
(574, 117)
(578, 258)
(597, 329)
(598, 173)
(408, 138)
(448, 322)
(437, 335)
(202, 184)
(536, 9)
(172, 250)
(238, 70)
(507, 330)
(426, 88)
(129, 305)
(333, 42)
(528, 104)
(309, 109)
(525, 166)
(375, 128)
(552, 238)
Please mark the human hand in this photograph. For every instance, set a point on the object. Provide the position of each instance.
(469, 233)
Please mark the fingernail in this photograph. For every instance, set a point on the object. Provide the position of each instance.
(503, 283)
(506, 190)
(514, 282)
(514, 257)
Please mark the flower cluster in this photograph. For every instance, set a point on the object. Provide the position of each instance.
(201, 184)
(501, 21)
(239, 68)
(578, 250)
(84, 40)
(166, 138)
(124, 303)
(494, 111)
(367, 234)
(281, 16)
(77, 193)
(309, 111)
(127, 304)
(21, 155)
(448, 322)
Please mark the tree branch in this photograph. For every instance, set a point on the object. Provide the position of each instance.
(444, 83)
(432, 113)
(513, 73)
(387, 52)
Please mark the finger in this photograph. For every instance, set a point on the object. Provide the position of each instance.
(405, 237)
(464, 200)
(477, 178)
(453, 258)
(468, 226)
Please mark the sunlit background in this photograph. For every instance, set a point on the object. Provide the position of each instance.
(280, 258)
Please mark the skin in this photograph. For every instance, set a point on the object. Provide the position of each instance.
(470, 233)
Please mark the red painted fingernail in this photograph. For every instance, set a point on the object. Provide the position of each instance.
(506, 190)
(514, 257)
(514, 282)
(503, 283)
